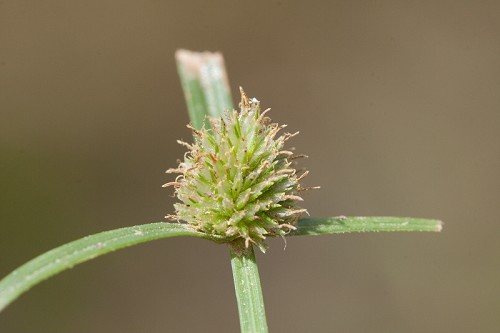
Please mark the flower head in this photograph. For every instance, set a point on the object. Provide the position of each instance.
(236, 180)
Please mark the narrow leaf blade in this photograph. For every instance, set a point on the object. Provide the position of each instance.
(342, 224)
(81, 250)
(205, 84)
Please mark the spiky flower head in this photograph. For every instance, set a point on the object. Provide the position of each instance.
(236, 180)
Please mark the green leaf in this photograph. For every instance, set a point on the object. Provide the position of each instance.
(248, 291)
(205, 84)
(342, 224)
(76, 252)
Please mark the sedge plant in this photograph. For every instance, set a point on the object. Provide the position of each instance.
(237, 185)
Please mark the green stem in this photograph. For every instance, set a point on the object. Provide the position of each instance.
(248, 290)
(205, 84)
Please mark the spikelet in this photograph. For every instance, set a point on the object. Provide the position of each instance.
(237, 181)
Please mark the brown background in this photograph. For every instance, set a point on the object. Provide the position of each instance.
(398, 104)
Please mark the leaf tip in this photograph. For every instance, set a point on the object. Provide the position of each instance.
(439, 226)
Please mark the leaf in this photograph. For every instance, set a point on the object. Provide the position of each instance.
(342, 224)
(205, 84)
(76, 252)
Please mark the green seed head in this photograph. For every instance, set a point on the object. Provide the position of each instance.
(237, 181)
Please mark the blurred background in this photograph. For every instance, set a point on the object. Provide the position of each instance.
(398, 105)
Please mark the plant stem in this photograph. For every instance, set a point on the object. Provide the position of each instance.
(248, 290)
(205, 84)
